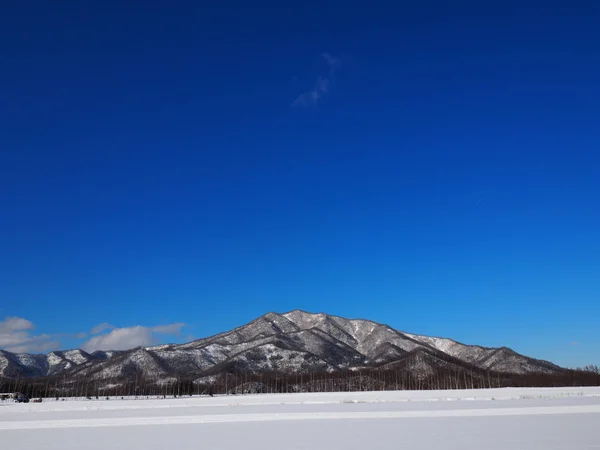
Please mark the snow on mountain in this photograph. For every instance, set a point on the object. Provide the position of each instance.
(125, 365)
(292, 342)
(59, 362)
(15, 365)
(469, 353)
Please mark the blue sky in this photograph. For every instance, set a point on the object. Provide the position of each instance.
(172, 170)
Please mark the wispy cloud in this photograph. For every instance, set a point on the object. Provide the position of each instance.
(313, 96)
(130, 337)
(321, 88)
(334, 63)
(174, 328)
(101, 327)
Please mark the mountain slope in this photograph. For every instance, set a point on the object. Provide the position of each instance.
(293, 342)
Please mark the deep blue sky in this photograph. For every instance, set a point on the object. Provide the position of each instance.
(156, 168)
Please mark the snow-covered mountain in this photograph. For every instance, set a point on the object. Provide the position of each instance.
(297, 341)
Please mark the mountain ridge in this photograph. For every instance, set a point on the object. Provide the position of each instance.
(292, 342)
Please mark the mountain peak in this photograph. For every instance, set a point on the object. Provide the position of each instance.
(304, 319)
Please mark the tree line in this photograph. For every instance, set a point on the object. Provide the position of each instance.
(240, 382)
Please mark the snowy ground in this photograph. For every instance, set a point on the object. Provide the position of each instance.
(529, 419)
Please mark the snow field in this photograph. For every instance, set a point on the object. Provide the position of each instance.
(529, 419)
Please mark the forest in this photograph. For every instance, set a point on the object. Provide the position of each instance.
(239, 383)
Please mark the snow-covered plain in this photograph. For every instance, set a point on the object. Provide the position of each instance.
(530, 419)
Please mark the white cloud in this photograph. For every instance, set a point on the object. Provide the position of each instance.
(15, 324)
(131, 337)
(313, 96)
(101, 327)
(120, 339)
(15, 336)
